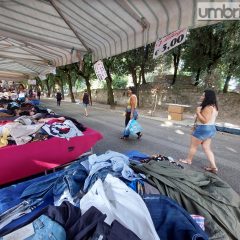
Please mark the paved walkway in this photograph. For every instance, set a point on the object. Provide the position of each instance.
(158, 115)
(159, 136)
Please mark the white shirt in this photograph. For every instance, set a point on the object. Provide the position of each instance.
(119, 202)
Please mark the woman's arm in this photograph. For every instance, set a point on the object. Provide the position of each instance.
(205, 115)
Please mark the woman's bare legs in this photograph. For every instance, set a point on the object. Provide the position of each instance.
(193, 149)
(86, 112)
(207, 149)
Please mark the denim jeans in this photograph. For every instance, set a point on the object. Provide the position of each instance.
(171, 221)
(47, 229)
(41, 188)
(109, 162)
(73, 179)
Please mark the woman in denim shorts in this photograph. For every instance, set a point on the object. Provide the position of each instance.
(85, 100)
(204, 130)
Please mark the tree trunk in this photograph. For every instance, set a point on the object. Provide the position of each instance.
(48, 88)
(176, 60)
(70, 88)
(208, 80)
(61, 86)
(197, 77)
(110, 100)
(143, 74)
(88, 84)
(226, 84)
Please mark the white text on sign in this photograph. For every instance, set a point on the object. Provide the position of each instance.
(169, 42)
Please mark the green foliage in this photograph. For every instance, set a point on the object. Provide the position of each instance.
(119, 82)
(134, 60)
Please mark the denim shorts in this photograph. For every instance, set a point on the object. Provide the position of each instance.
(204, 132)
(85, 105)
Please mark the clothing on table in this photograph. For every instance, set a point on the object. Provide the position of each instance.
(76, 123)
(21, 133)
(76, 226)
(111, 160)
(25, 120)
(11, 200)
(14, 213)
(21, 96)
(199, 220)
(149, 189)
(41, 228)
(67, 129)
(46, 188)
(159, 157)
(200, 193)
(119, 202)
(171, 221)
(72, 179)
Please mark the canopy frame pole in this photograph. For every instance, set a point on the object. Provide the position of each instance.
(141, 20)
(69, 25)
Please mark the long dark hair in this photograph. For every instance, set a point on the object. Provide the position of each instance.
(210, 99)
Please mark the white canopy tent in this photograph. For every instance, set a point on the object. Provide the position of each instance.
(37, 35)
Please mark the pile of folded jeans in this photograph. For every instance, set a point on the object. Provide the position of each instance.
(110, 196)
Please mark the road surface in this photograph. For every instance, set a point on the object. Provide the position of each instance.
(158, 137)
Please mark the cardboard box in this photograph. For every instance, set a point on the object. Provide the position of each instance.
(175, 116)
(175, 109)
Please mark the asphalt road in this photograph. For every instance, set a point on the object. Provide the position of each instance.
(158, 137)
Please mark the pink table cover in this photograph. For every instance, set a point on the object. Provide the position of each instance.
(17, 162)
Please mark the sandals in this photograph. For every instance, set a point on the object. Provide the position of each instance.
(211, 169)
(124, 138)
(139, 136)
(184, 161)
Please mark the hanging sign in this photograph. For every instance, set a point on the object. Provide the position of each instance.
(100, 70)
(32, 82)
(169, 42)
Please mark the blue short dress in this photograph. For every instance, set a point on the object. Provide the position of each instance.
(203, 132)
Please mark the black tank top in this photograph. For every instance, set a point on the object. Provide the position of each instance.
(85, 98)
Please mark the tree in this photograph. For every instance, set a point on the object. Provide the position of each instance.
(176, 52)
(229, 62)
(66, 73)
(203, 51)
(119, 82)
(60, 79)
(108, 64)
(86, 72)
(136, 63)
(49, 83)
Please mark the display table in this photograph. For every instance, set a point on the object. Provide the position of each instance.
(175, 111)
